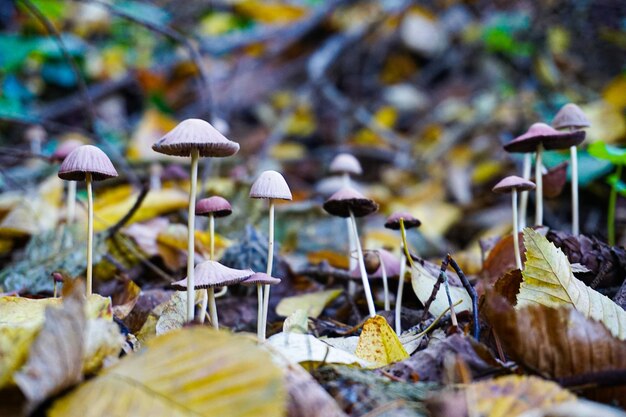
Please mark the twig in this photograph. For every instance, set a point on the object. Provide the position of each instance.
(472, 293)
(596, 379)
(433, 294)
(117, 226)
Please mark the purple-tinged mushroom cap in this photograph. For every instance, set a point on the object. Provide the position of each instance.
(215, 205)
(393, 221)
(513, 182)
(260, 278)
(87, 159)
(344, 163)
(541, 133)
(570, 116)
(211, 274)
(271, 185)
(349, 200)
(65, 148)
(195, 134)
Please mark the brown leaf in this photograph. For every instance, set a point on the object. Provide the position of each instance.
(508, 285)
(306, 397)
(124, 301)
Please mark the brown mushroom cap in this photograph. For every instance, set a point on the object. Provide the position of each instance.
(513, 182)
(392, 264)
(570, 116)
(349, 200)
(195, 134)
(345, 163)
(86, 159)
(211, 274)
(272, 185)
(541, 133)
(260, 278)
(393, 221)
(215, 205)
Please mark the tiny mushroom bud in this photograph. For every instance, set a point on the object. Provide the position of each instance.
(513, 184)
(87, 163)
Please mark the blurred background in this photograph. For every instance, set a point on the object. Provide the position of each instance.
(423, 93)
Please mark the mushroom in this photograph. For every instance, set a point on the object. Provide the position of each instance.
(211, 275)
(212, 207)
(60, 153)
(87, 163)
(349, 203)
(194, 138)
(382, 264)
(345, 165)
(540, 136)
(572, 118)
(402, 221)
(270, 185)
(259, 279)
(513, 184)
(35, 135)
(57, 278)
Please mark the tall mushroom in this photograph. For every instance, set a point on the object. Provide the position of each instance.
(540, 136)
(270, 185)
(87, 163)
(259, 279)
(349, 203)
(212, 207)
(513, 184)
(194, 138)
(401, 221)
(572, 118)
(59, 155)
(211, 274)
(346, 165)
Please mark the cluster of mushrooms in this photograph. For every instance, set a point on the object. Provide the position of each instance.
(566, 132)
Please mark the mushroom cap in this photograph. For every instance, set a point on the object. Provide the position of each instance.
(570, 116)
(86, 159)
(349, 200)
(345, 163)
(215, 205)
(392, 265)
(211, 274)
(260, 278)
(541, 133)
(393, 221)
(513, 182)
(65, 148)
(272, 185)
(195, 134)
(35, 132)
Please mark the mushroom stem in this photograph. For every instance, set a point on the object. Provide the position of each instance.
(54, 294)
(352, 262)
(539, 182)
(523, 205)
(405, 247)
(575, 218)
(518, 258)
(191, 282)
(612, 204)
(71, 202)
(366, 284)
(212, 307)
(270, 265)
(212, 236)
(259, 319)
(203, 306)
(383, 271)
(400, 291)
(210, 292)
(155, 176)
(89, 234)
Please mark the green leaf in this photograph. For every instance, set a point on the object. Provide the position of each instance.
(613, 154)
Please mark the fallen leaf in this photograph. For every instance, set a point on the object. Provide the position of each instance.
(124, 301)
(174, 312)
(423, 283)
(306, 397)
(297, 322)
(379, 344)
(312, 303)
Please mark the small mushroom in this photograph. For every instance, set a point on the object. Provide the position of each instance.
(572, 118)
(59, 154)
(57, 278)
(212, 207)
(270, 185)
(211, 275)
(512, 185)
(194, 138)
(381, 264)
(35, 135)
(259, 279)
(87, 163)
(540, 136)
(401, 221)
(349, 203)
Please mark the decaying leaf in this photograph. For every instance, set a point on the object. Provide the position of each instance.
(189, 372)
(297, 322)
(125, 300)
(379, 344)
(549, 281)
(174, 312)
(312, 303)
(306, 397)
(423, 283)
(305, 348)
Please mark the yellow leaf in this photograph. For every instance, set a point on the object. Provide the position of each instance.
(312, 303)
(153, 125)
(607, 122)
(308, 349)
(423, 283)
(379, 344)
(288, 151)
(549, 281)
(270, 12)
(189, 372)
(615, 92)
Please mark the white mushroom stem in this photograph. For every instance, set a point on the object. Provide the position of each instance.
(211, 291)
(89, 234)
(71, 202)
(270, 265)
(55, 288)
(383, 271)
(259, 319)
(400, 290)
(366, 284)
(575, 218)
(518, 258)
(191, 282)
(155, 176)
(352, 261)
(539, 183)
(523, 205)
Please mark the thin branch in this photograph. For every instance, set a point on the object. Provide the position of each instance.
(472, 293)
(117, 226)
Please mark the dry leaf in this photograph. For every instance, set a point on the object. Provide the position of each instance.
(306, 397)
(379, 344)
(423, 283)
(312, 303)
